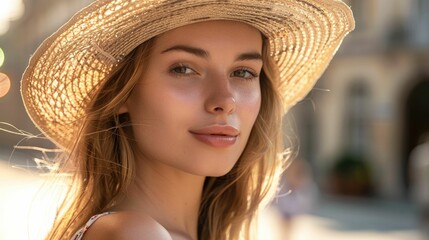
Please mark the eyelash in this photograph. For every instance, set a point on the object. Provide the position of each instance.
(252, 73)
(175, 67)
(178, 66)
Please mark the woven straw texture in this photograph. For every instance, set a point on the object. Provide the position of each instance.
(70, 65)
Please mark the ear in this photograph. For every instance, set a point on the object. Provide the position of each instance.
(123, 109)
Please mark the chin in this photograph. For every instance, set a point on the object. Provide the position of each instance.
(206, 163)
(218, 171)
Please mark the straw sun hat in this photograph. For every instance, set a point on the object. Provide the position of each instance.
(70, 65)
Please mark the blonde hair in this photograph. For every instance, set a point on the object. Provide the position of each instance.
(103, 166)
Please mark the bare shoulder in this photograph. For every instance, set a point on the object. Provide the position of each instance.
(126, 225)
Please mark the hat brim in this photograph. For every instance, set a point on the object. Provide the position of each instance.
(69, 65)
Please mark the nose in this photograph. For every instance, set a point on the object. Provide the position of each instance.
(220, 98)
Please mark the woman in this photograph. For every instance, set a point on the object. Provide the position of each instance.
(169, 112)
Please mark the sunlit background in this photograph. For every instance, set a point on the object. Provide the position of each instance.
(10, 10)
(356, 176)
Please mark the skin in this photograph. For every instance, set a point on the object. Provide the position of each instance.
(199, 76)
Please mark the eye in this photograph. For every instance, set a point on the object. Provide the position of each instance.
(181, 70)
(244, 73)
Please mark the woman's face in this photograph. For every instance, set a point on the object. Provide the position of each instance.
(195, 106)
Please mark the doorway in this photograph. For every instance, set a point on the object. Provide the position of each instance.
(416, 122)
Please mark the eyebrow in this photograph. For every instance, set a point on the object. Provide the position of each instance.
(204, 54)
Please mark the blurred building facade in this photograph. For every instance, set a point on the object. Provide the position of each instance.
(371, 103)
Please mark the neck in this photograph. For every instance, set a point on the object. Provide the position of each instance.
(170, 196)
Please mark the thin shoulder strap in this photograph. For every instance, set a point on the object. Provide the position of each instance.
(79, 234)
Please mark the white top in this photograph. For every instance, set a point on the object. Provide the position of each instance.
(79, 234)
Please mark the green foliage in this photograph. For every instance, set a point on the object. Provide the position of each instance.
(351, 175)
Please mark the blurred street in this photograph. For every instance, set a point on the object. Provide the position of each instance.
(339, 218)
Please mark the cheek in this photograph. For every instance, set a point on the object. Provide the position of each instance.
(158, 97)
(248, 108)
(157, 121)
(250, 103)
(157, 111)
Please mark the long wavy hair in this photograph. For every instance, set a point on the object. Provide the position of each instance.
(101, 159)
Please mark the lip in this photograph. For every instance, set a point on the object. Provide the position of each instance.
(217, 135)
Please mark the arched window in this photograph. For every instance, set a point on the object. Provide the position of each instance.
(357, 115)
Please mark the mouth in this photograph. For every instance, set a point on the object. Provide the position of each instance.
(220, 136)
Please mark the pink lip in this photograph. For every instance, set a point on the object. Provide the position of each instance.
(216, 135)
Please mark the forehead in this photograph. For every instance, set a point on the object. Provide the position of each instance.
(210, 33)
